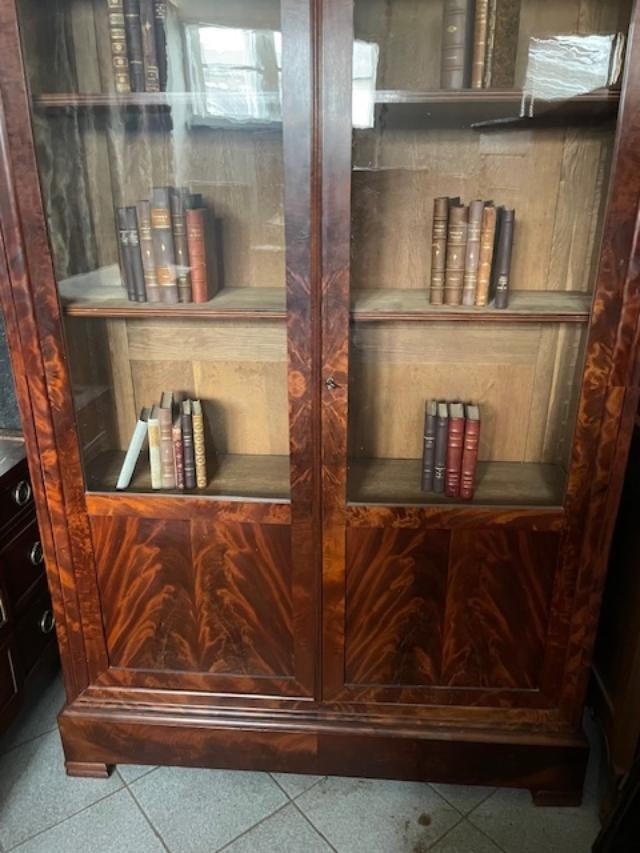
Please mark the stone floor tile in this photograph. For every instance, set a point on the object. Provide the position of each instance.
(463, 797)
(295, 783)
(465, 838)
(131, 772)
(286, 832)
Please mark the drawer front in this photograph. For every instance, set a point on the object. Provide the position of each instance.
(35, 630)
(8, 677)
(16, 495)
(22, 563)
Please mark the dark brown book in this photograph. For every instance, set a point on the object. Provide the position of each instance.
(123, 249)
(457, 32)
(470, 452)
(135, 54)
(196, 217)
(491, 35)
(188, 446)
(456, 253)
(480, 32)
(439, 249)
(167, 459)
(505, 44)
(440, 462)
(135, 254)
(146, 250)
(180, 244)
(178, 448)
(118, 38)
(163, 250)
(149, 53)
(503, 254)
(487, 241)
(160, 21)
(429, 445)
(455, 441)
(472, 253)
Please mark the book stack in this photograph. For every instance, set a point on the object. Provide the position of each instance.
(162, 244)
(479, 43)
(450, 454)
(137, 29)
(174, 429)
(471, 254)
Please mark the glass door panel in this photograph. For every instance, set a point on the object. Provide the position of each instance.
(160, 144)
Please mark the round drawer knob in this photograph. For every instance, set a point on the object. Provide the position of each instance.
(22, 493)
(36, 554)
(47, 622)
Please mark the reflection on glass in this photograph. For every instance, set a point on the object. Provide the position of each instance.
(366, 56)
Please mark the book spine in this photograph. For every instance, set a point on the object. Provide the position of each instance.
(189, 452)
(504, 250)
(487, 240)
(150, 56)
(133, 452)
(429, 452)
(178, 453)
(118, 38)
(491, 36)
(146, 250)
(454, 457)
(505, 44)
(133, 248)
(439, 249)
(155, 464)
(181, 246)
(125, 259)
(160, 25)
(163, 251)
(167, 462)
(454, 71)
(472, 253)
(199, 451)
(196, 219)
(440, 462)
(479, 43)
(469, 459)
(133, 31)
(456, 250)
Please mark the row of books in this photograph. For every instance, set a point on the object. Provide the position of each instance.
(471, 253)
(479, 43)
(137, 29)
(450, 454)
(174, 429)
(163, 247)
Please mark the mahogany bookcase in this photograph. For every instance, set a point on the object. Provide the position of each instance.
(311, 610)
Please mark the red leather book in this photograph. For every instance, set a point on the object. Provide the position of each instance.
(196, 216)
(470, 452)
(178, 451)
(454, 450)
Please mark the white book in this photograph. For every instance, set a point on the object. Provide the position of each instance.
(135, 446)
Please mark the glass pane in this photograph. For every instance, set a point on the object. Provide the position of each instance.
(159, 138)
(477, 208)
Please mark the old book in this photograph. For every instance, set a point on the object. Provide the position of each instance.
(135, 255)
(146, 250)
(199, 447)
(440, 461)
(155, 464)
(187, 443)
(480, 32)
(505, 44)
(163, 250)
(455, 440)
(487, 241)
(196, 216)
(118, 38)
(472, 253)
(491, 35)
(503, 253)
(123, 249)
(167, 460)
(439, 249)
(134, 449)
(149, 53)
(177, 198)
(457, 29)
(470, 451)
(160, 21)
(456, 252)
(135, 55)
(178, 448)
(429, 445)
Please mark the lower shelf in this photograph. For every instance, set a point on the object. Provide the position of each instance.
(397, 481)
(232, 475)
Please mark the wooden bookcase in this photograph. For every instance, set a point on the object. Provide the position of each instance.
(311, 609)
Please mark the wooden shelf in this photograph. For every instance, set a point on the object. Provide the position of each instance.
(500, 484)
(232, 476)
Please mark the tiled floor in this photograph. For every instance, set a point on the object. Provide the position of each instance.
(145, 809)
